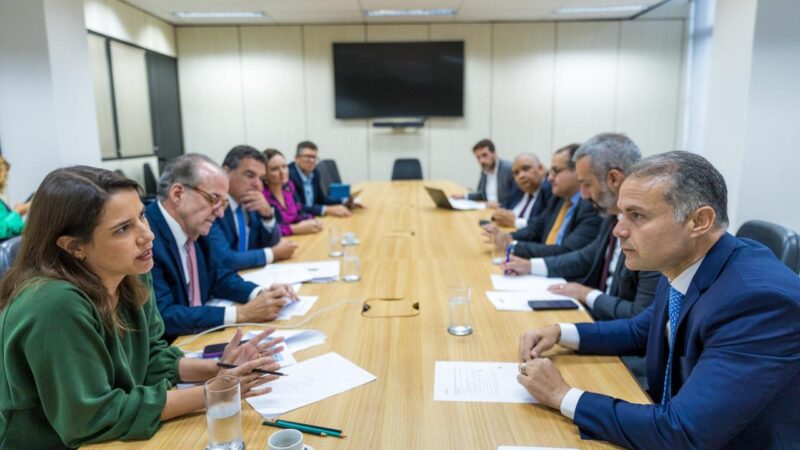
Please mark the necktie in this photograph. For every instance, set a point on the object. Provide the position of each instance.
(674, 310)
(552, 236)
(242, 229)
(525, 208)
(194, 278)
(612, 243)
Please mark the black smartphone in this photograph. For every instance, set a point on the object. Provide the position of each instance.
(551, 305)
(483, 222)
(215, 350)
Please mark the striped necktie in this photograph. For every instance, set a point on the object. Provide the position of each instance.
(194, 278)
(674, 310)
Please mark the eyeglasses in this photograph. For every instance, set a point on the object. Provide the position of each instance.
(309, 157)
(554, 171)
(213, 200)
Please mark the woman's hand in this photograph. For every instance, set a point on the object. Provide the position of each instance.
(255, 354)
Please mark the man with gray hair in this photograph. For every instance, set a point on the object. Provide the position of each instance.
(721, 338)
(192, 194)
(597, 273)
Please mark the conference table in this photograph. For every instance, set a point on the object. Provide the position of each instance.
(413, 251)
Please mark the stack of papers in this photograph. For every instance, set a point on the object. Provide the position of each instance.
(308, 382)
(298, 308)
(466, 205)
(494, 382)
(518, 301)
(289, 273)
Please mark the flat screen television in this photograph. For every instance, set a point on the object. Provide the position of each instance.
(399, 79)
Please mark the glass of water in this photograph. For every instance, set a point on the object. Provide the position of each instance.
(460, 318)
(224, 413)
(335, 241)
(351, 265)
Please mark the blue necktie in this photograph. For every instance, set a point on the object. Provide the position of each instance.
(242, 229)
(674, 310)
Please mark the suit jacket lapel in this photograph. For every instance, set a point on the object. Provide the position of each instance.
(229, 226)
(160, 224)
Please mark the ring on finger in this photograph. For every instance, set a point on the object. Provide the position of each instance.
(523, 369)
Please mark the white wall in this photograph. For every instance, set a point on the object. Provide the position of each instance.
(121, 21)
(528, 86)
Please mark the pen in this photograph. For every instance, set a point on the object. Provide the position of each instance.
(508, 257)
(268, 372)
(305, 428)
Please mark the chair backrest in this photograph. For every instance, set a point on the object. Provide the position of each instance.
(407, 169)
(8, 252)
(150, 183)
(328, 173)
(783, 242)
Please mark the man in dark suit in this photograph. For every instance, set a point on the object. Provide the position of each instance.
(305, 176)
(496, 182)
(247, 235)
(192, 193)
(530, 194)
(597, 271)
(568, 222)
(721, 338)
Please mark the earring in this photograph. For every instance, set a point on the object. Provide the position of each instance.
(81, 257)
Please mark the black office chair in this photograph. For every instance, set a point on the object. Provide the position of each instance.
(328, 173)
(8, 252)
(407, 169)
(783, 242)
(150, 183)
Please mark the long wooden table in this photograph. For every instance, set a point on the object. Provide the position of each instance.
(412, 250)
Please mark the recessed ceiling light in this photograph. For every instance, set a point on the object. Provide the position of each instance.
(219, 14)
(600, 9)
(409, 12)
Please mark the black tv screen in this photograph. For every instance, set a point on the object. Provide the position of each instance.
(399, 79)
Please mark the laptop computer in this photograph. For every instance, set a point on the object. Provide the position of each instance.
(443, 201)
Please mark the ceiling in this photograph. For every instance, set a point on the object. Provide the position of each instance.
(352, 11)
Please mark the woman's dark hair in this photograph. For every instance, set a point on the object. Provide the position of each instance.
(70, 202)
(271, 153)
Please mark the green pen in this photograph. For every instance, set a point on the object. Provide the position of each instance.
(305, 428)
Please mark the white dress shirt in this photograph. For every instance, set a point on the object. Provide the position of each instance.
(180, 239)
(267, 224)
(570, 338)
(522, 222)
(491, 183)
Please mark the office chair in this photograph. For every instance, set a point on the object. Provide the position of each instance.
(328, 173)
(8, 252)
(150, 183)
(407, 169)
(783, 242)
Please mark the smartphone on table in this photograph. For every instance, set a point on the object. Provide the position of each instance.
(551, 305)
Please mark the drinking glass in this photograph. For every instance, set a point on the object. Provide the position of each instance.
(224, 413)
(460, 319)
(335, 241)
(351, 265)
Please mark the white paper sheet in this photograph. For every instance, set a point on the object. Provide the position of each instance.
(289, 273)
(308, 382)
(518, 301)
(523, 282)
(495, 382)
(298, 308)
(222, 302)
(295, 340)
(463, 204)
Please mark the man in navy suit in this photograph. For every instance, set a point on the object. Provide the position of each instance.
(530, 194)
(496, 181)
(305, 176)
(192, 193)
(247, 235)
(721, 338)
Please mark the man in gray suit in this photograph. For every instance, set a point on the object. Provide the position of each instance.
(497, 179)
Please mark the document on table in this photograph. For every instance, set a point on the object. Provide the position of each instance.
(465, 205)
(495, 382)
(289, 273)
(524, 283)
(298, 308)
(295, 340)
(518, 301)
(308, 382)
(222, 302)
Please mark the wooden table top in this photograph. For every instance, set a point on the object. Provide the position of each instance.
(412, 250)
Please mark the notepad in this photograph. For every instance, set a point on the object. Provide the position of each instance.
(308, 382)
(523, 282)
(491, 382)
(289, 273)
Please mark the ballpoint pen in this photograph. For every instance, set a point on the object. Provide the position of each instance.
(305, 428)
(268, 372)
(509, 248)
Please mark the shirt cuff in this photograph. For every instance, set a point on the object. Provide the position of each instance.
(269, 224)
(230, 315)
(520, 223)
(591, 297)
(269, 254)
(254, 293)
(322, 211)
(538, 267)
(570, 338)
(570, 402)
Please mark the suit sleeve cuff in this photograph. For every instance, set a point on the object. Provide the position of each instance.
(270, 255)
(570, 338)
(570, 403)
(269, 224)
(230, 315)
(254, 293)
(591, 297)
(538, 267)
(520, 223)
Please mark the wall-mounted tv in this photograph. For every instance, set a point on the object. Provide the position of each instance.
(399, 79)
